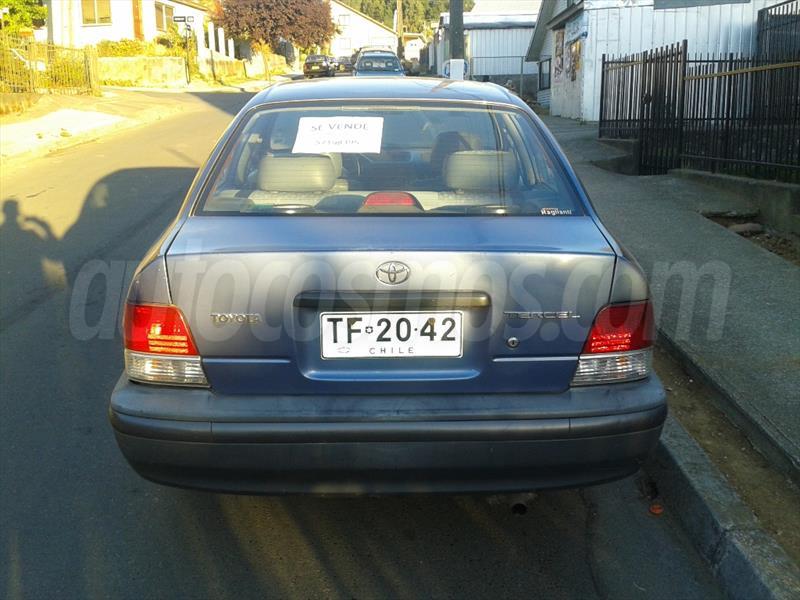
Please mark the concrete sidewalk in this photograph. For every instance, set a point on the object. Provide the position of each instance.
(726, 305)
(56, 122)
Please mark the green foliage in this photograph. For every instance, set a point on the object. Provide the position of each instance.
(66, 71)
(416, 13)
(170, 43)
(23, 14)
(304, 23)
(125, 48)
(14, 74)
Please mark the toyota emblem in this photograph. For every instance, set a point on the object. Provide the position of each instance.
(392, 273)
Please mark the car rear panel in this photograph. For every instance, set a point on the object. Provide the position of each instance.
(278, 274)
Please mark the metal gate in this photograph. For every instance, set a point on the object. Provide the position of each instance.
(642, 98)
(731, 114)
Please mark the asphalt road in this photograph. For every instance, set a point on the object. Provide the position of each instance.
(76, 522)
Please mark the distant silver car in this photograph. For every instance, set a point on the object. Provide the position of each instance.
(387, 285)
(385, 64)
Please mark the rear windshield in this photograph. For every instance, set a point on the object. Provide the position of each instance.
(378, 63)
(436, 160)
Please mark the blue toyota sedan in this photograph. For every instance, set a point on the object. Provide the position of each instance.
(387, 285)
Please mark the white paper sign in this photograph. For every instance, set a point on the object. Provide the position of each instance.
(316, 135)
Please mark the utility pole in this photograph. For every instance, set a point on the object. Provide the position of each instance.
(457, 29)
(400, 48)
(187, 39)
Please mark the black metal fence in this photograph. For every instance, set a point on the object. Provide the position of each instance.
(642, 98)
(28, 66)
(742, 117)
(779, 32)
(732, 114)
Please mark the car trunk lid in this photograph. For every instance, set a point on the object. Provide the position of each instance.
(255, 290)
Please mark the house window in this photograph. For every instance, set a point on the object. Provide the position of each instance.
(96, 12)
(544, 74)
(164, 16)
(343, 20)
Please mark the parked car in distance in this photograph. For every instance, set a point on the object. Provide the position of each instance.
(345, 64)
(318, 65)
(334, 63)
(387, 286)
(378, 63)
(357, 54)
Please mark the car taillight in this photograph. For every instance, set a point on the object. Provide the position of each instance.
(619, 346)
(159, 347)
(621, 328)
(390, 199)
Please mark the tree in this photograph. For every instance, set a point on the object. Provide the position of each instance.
(416, 13)
(304, 23)
(22, 14)
(314, 24)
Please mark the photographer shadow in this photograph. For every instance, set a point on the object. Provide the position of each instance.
(28, 251)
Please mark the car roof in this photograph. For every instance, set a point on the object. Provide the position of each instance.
(379, 55)
(391, 88)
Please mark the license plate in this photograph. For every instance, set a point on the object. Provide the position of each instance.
(391, 335)
(315, 68)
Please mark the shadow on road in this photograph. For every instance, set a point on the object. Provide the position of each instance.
(229, 102)
(35, 263)
(26, 244)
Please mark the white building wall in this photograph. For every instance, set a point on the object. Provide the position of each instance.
(441, 51)
(65, 22)
(499, 51)
(66, 28)
(179, 10)
(614, 30)
(356, 31)
(412, 48)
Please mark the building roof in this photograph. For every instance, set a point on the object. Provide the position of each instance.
(537, 39)
(367, 17)
(565, 15)
(484, 21)
(389, 88)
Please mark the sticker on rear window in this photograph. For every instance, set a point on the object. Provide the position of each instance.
(555, 212)
(338, 134)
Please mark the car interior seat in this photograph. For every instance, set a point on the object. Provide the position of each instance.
(293, 179)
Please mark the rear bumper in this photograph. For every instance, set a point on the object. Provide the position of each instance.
(426, 450)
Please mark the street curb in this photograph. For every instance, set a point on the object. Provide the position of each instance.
(745, 559)
(757, 432)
